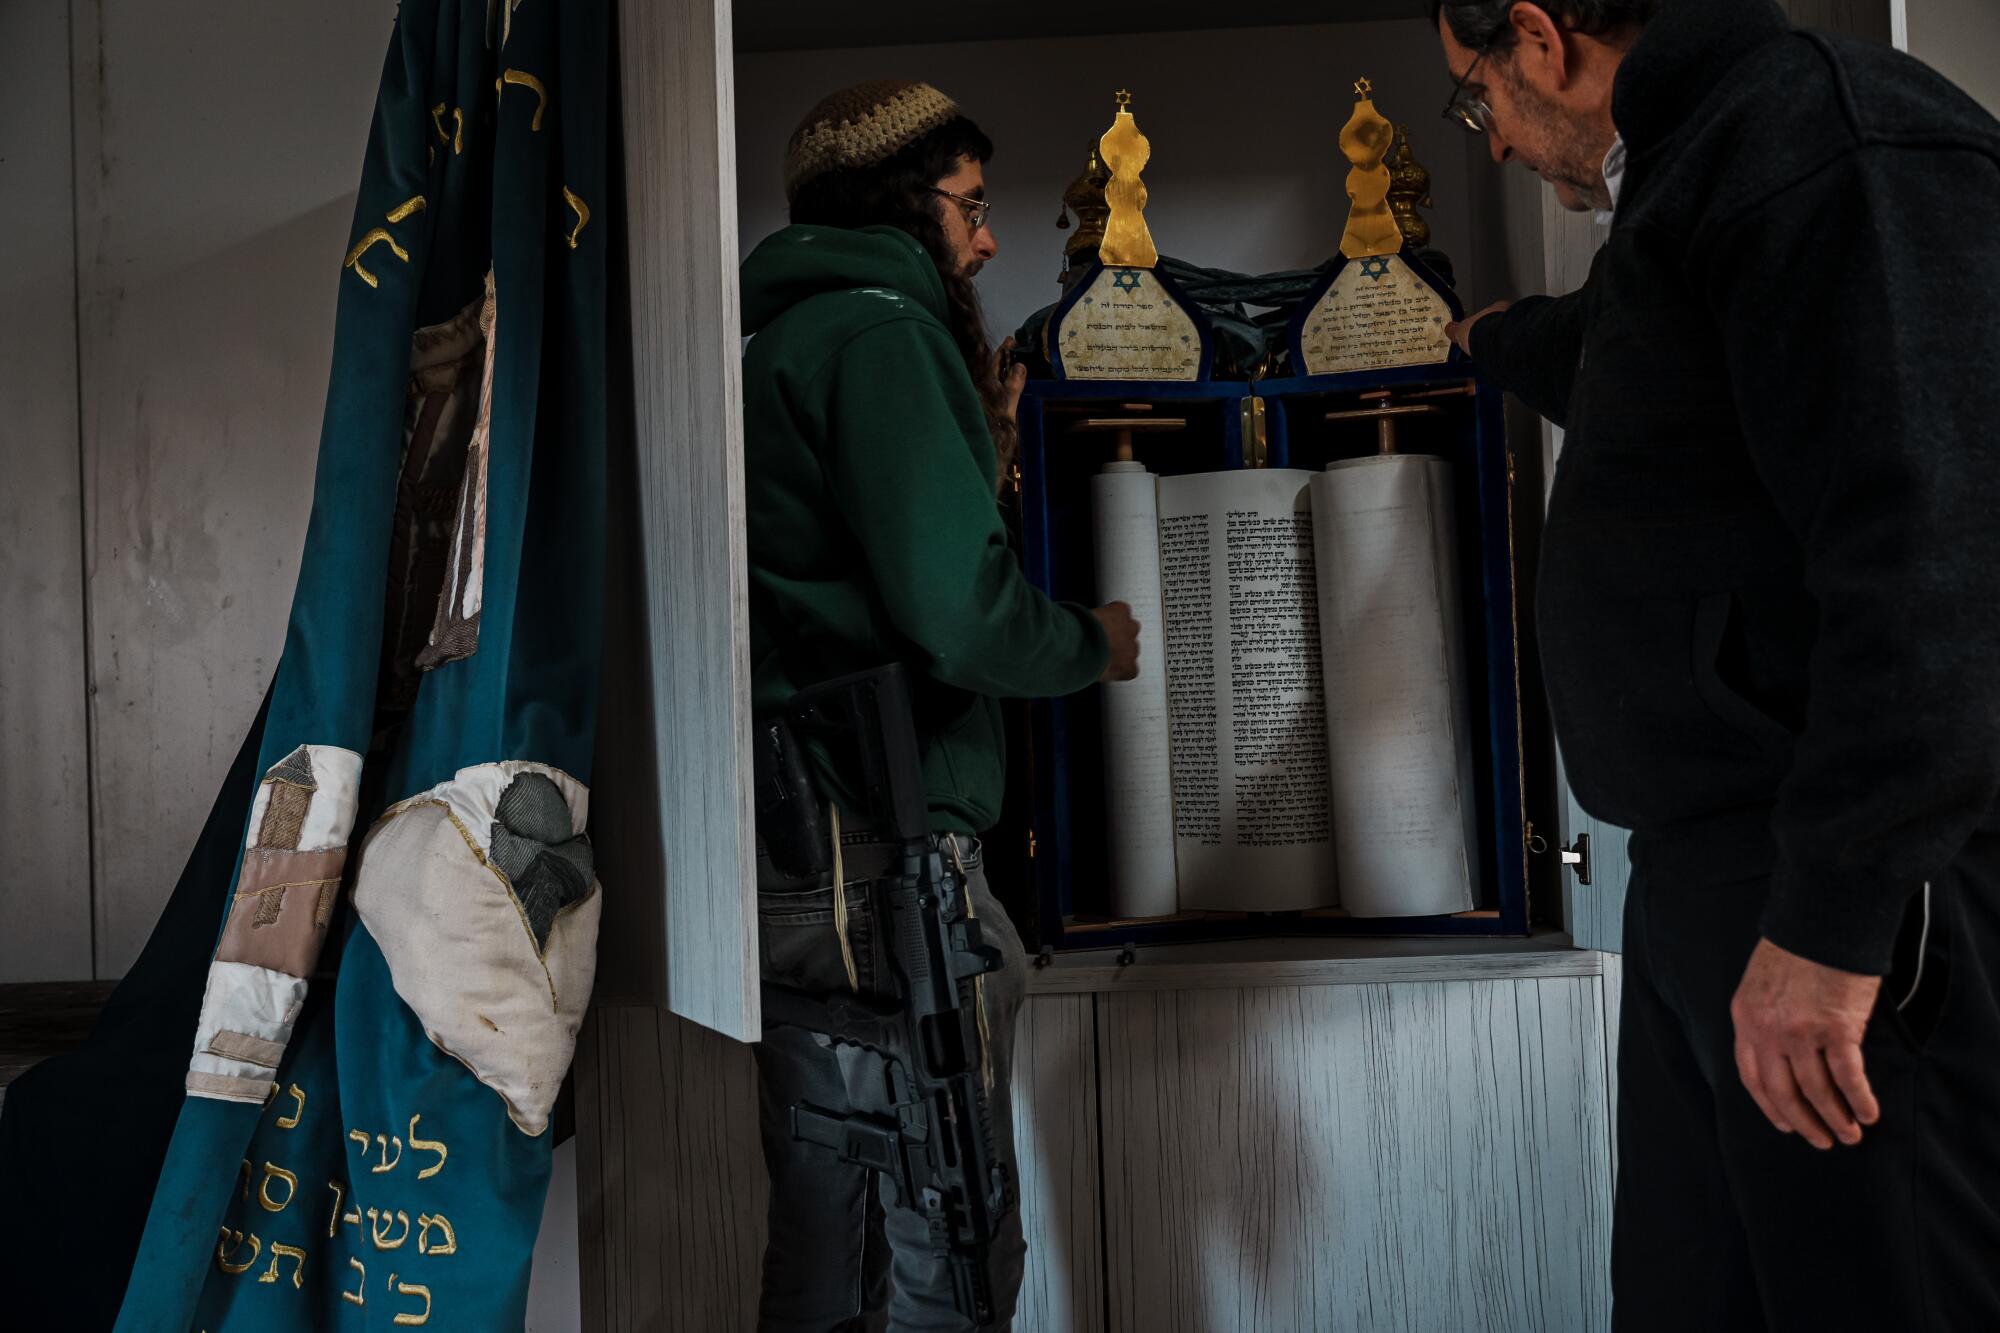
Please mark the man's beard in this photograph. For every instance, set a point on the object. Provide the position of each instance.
(1568, 157)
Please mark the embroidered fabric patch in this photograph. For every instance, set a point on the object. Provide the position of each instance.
(499, 981)
(283, 903)
(549, 867)
(446, 363)
(285, 895)
(247, 1014)
(307, 801)
(455, 631)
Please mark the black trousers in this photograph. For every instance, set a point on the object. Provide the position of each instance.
(1722, 1222)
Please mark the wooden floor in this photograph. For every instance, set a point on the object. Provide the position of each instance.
(42, 1019)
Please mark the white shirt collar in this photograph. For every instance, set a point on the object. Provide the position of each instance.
(1614, 177)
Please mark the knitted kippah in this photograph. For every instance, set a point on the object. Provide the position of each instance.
(862, 125)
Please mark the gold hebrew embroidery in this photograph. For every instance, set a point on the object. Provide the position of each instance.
(273, 1170)
(232, 1241)
(292, 1121)
(437, 121)
(427, 1145)
(582, 214)
(358, 1295)
(360, 1138)
(414, 204)
(292, 1252)
(380, 1233)
(333, 1219)
(527, 80)
(425, 1221)
(361, 248)
(411, 1289)
(386, 1163)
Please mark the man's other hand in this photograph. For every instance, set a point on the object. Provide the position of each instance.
(1798, 1045)
(1122, 633)
(1460, 330)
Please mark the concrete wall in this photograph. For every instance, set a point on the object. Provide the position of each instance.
(217, 151)
(179, 183)
(44, 744)
(1245, 172)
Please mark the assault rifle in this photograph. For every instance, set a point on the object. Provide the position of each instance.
(930, 1129)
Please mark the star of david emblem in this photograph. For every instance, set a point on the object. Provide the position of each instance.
(1376, 267)
(1125, 279)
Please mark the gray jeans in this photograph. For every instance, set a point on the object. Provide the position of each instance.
(841, 1258)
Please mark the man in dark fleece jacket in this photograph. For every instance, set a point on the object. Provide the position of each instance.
(876, 428)
(1769, 609)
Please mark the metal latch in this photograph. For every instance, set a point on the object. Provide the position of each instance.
(1577, 857)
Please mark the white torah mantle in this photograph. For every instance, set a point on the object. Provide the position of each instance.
(1397, 721)
(1138, 777)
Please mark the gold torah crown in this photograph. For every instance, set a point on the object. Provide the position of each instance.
(1366, 140)
(1124, 151)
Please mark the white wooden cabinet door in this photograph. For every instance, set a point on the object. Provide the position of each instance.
(1398, 1158)
(685, 804)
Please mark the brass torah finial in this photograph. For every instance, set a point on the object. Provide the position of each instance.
(1409, 188)
(1127, 243)
(1365, 140)
(1085, 198)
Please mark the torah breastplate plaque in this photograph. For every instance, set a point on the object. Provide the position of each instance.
(1377, 313)
(1127, 326)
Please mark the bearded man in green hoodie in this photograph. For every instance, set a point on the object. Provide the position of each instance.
(878, 422)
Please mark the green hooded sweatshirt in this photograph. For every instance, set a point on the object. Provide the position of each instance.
(875, 535)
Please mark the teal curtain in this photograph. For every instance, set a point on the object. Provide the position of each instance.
(360, 1004)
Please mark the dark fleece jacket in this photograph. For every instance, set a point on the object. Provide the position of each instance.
(1769, 599)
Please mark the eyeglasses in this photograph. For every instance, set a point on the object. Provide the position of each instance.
(1472, 111)
(975, 209)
